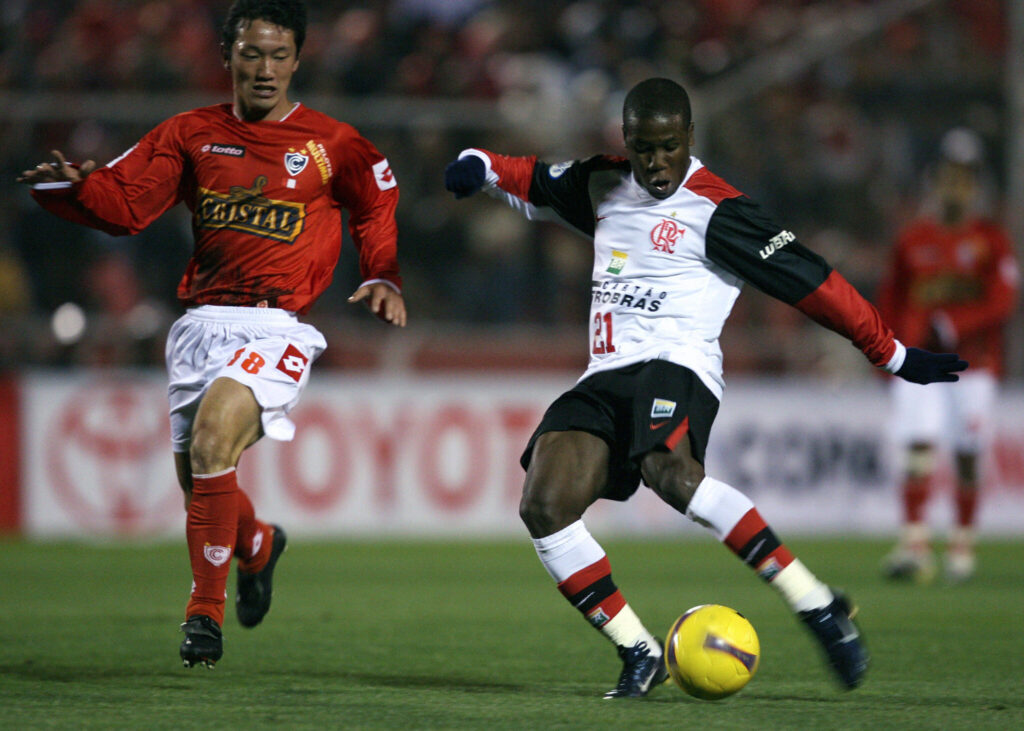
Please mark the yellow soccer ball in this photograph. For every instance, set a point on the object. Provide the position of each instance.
(712, 651)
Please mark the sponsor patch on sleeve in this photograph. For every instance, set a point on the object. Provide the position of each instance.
(383, 175)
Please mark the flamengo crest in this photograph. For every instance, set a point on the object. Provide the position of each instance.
(666, 235)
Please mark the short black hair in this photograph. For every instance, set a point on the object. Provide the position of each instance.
(656, 97)
(290, 14)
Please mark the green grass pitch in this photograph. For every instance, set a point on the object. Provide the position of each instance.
(432, 634)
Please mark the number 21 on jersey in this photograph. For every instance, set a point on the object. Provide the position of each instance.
(603, 342)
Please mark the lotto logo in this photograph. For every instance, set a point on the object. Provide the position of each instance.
(383, 175)
(221, 149)
(217, 555)
(257, 543)
(293, 363)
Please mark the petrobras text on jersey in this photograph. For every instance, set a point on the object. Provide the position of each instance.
(627, 294)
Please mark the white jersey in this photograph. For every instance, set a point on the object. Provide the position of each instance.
(668, 271)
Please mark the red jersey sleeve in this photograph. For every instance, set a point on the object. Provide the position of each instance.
(366, 186)
(512, 174)
(128, 193)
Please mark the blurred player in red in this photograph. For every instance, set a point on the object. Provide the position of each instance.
(951, 285)
(266, 180)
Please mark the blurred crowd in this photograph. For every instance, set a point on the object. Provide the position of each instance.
(838, 147)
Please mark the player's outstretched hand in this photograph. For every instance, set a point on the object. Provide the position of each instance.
(56, 172)
(383, 301)
(465, 177)
(923, 366)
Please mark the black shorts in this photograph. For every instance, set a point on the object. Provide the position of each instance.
(635, 410)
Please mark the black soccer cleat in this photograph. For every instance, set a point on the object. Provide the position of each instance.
(641, 671)
(203, 643)
(252, 599)
(833, 627)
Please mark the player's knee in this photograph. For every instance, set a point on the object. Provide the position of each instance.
(920, 460)
(545, 510)
(210, 451)
(539, 511)
(673, 477)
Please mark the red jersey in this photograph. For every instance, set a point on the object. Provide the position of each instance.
(963, 277)
(266, 200)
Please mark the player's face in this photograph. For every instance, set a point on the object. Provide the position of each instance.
(658, 149)
(263, 59)
(957, 188)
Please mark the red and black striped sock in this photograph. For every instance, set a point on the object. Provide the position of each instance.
(757, 546)
(592, 591)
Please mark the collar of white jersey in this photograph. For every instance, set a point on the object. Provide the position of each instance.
(641, 193)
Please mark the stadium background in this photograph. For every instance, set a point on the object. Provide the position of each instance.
(828, 111)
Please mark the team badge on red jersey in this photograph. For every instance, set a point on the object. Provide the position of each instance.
(293, 363)
(295, 162)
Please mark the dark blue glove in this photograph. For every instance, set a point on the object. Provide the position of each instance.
(922, 366)
(466, 176)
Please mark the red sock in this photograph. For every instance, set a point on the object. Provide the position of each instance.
(915, 495)
(757, 545)
(253, 540)
(211, 528)
(966, 505)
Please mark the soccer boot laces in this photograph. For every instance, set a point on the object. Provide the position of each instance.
(203, 643)
(254, 591)
(641, 671)
(839, 637)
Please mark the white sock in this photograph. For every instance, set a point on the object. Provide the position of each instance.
(800, 588)
(626, 629)
(718, 506)
(573, 549)
(567, 551)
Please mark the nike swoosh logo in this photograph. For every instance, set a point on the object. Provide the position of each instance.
(584, 600)
(658, 426)
(601, 218)
(755, 549)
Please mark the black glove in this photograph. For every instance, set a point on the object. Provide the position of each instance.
(466, 176)
(922, 366)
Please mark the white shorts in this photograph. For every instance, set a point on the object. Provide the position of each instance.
(957, 415)
(264, 348)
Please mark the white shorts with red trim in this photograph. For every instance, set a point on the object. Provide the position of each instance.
(958, 415)
(264, 348)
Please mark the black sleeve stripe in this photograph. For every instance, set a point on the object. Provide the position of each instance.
(565, 188)
(745, 242)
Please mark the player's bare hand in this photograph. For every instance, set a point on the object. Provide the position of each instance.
(383, 301)
(60, 171)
